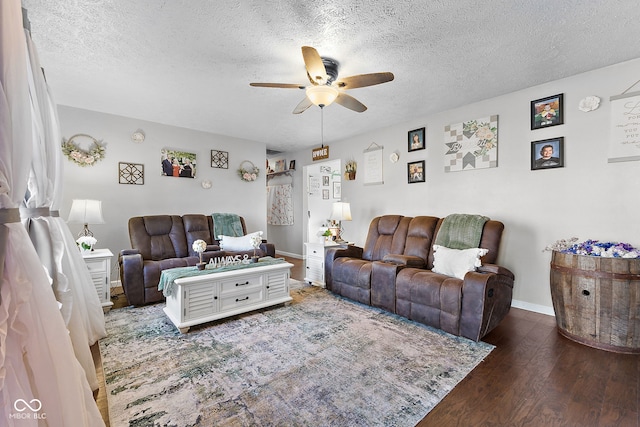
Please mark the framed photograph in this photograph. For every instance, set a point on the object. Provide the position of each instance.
(325, 169)
(415, 171)
(178, 163)
(547, 153)
(220, 159)
(276, 164)
(325, 194)
(547, 112)
(292, 165)
(416, 139)
(325, 180)
(337, 190)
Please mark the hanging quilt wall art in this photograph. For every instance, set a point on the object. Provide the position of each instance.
(471, 145)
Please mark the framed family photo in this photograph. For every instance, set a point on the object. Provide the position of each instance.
(416, 139)
(547, 112)
(547, 153)
(415, 172)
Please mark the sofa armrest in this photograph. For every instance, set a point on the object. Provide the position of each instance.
(268, 248)
(486, 300)
(405, 260)
(131, 275)
(331, 254)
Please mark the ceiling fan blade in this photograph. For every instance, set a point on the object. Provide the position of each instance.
(315, 68)
(364, 80)
(278, 85)
(350, 102)
(302, 106)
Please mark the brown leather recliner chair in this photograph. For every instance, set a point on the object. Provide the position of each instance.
(160, 242)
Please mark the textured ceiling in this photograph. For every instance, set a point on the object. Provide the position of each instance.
(189, 63)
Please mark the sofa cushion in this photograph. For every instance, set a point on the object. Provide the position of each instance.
(243, 243)
(456, 262)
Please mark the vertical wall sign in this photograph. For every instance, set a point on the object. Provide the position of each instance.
(373, 165)
(624, 142)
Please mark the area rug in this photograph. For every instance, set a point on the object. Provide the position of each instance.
(321, 360)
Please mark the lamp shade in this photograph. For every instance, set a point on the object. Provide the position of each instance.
(341, 211)
(86, 212)
(322, 95)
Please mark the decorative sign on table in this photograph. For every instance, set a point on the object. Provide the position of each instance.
(320, 153)
(471, 145)
(624, 142)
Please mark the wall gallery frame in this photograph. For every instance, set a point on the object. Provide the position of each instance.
(178, 163)
(415, 172)
(416, 140)
(130, 173)
(547, 111)
(219, 159)
(547, 153)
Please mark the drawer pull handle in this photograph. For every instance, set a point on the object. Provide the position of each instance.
(215, 297)
(242, 284)
(242, 299)
(267, 287)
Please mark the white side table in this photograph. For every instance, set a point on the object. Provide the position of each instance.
(314, 262)
(99, 263)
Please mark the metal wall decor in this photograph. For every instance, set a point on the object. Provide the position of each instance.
(131, 173)
(219, 159)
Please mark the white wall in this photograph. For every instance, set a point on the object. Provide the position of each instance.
(159, 194)
(588, 198)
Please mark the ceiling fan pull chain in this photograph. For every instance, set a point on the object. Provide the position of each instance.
(322, 127)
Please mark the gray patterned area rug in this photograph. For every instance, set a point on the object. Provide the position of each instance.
(319, 361)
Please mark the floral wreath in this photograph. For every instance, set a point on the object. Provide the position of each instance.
(248, 173)
(83, 157)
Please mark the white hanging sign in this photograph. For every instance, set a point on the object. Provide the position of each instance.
(624, 141)
(373, 165)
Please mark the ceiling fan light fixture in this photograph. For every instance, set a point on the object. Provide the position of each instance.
(322, 95)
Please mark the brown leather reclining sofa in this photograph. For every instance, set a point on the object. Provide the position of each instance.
(160, 242)
(393, 272)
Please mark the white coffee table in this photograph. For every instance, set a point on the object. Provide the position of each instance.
(204, 298)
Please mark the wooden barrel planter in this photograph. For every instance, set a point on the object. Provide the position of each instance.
(597, 300)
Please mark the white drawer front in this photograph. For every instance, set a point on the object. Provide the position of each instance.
(96, 265)
(240, 284)
(238, 300)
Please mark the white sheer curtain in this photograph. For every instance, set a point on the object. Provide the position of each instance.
(37, 362)
(72, 284)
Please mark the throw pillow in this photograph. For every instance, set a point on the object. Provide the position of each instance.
(456, 262)
(243, 243)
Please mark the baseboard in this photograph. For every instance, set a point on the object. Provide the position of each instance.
(536, 308)
(289, 254)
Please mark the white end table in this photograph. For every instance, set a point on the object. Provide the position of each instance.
(99, 263)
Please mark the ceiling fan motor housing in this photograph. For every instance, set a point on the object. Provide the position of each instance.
(331, 66)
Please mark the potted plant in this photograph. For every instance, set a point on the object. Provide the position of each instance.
(350, 170)
(200, 246)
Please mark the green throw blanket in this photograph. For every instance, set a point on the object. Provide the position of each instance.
(461, 231)
(226, 224)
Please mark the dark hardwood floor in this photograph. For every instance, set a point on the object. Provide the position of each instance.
(534, 377)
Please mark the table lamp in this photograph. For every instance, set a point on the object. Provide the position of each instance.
(341, 211)
(86, 212)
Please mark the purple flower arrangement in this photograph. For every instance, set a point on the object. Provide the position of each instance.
(595, 248)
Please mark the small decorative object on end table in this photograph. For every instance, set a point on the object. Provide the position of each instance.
(255, 242)
(200, 246)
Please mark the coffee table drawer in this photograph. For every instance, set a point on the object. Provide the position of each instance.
(237, 284)
(238, 300)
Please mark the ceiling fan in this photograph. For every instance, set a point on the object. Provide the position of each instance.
(325, 87)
